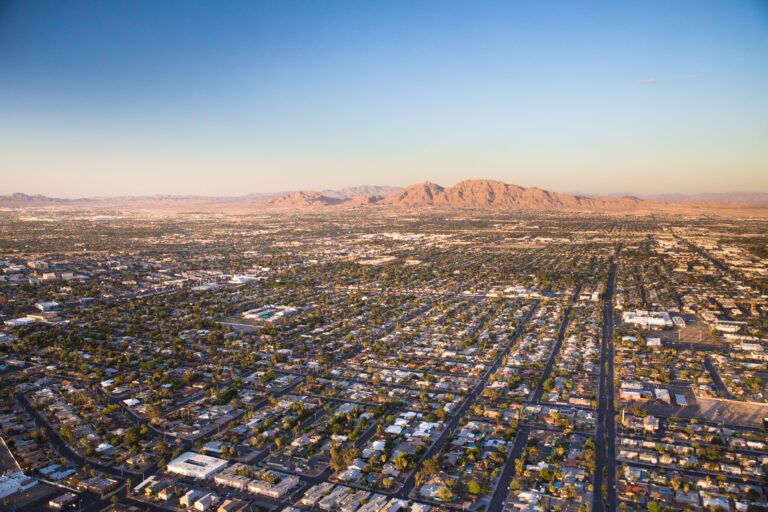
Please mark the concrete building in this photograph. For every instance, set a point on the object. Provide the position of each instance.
(197, 466)
(15, 482)
(647, 318)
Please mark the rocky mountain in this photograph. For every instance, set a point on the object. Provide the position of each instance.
(421, 194)
(490, 194)
(363, 190)
(719, 197)
(468, 194)
(361, 200)
(302, 199)
(329, 197)
(20, 198)
(311, 199)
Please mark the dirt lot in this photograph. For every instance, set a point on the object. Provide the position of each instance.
(745, 414)
(34, 498)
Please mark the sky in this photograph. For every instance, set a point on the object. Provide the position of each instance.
(230, 98)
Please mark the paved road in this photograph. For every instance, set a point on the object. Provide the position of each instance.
(721, 389)
(311, 481)
(285, 437)
(454, 422)
(539, 389)
(7, 460)
(403, 492)
(63, 449)
(605, 429)
(642, 294)
(704, 254)
(692, 472)
(500, 492)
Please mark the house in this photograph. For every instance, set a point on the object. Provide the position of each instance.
(231, 506)
(207, 502)
(651, 424)
(64, 501)
(191, 497)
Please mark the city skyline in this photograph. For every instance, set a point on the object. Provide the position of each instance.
(108, 100)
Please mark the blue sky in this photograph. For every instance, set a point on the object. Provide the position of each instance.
(227, 98)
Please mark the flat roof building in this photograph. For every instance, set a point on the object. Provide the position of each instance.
(647, 318)
(14, 482)
(195, 465)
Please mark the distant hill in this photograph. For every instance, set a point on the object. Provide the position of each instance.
(361, 200)
(718, 197)
(302, 199)
(310, 199)
(20, 198)
(343, 194)
(421, 194)
(364, 190)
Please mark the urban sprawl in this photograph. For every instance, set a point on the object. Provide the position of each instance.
(377, 361)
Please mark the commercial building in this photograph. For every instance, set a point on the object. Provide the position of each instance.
(15, 482)
(195, 465)
(647, 318)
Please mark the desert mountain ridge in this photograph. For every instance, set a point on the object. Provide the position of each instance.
(341, 194)
(718, 197)
(474, 194)
(482, 194)
(490, 194)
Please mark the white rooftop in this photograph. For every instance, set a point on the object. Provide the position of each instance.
(196, 465)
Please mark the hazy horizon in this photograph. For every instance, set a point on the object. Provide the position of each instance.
(197, 98)
(402, 187)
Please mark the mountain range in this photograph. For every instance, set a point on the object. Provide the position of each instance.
(468, 194)
(497, 195)
(719, 197)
